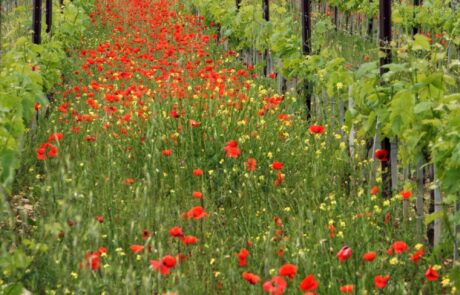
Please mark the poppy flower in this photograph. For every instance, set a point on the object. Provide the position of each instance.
(129, 181)
(381, 154)
(41, 153)
(189, 240)
(417, 255)
(197, 195)
(272, 75)
(242, 256)
(381, 282)
(279, 179)
(146, 234)
(100, 218)
(46, 149)
(251, 278)
(251, 164)
(399, 247)
(406, 194)
(136, 248)
(93, 260)
(309, 283)
(374, 190)
(332, 230)
(196, 213)
(347, 289)
(166, 153)
(344, 253)
(387, 218)
(37, 106)
(316, 129)
(57, 136)
(194, 123)
(288, 270)
(369, 256)
(431, 274)
(232, 149)
(164, 264)
(197, 172)
(176, 232)
(277, 165)
(275, 286)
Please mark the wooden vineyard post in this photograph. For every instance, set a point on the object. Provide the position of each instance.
(266, 15)
(419, 204)
(49, 15)
(385, 39)
(306, 47)
(437, 206)
(37, 22)
(336, 18)
(415, 29)
(370, 24)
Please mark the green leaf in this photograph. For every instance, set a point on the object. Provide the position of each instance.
(423, 106)
(421, 42)
(452, 97)
(433, 216)
(13, 289)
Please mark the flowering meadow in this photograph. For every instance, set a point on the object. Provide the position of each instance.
(166, 164)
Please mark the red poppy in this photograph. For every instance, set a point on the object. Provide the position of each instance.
(344, 253)
(176, 232)
(381, 282)
(309, 283)
(93, 260)
(251, 278)
(406, 194)
(146, 234)
(374, 190)
(369, 256)
(387, 218)
(46, 149)
(196, 213)
(242, 256)
(277, 165)
(197, 195)
(164, 264)
(332, 230)
(197, 172)
(381, 154)
(275, 286)
(189, 240)
(136, 248)
(37, 106)
(417, 255)
(347, 289)
(399, 247)
(129, 181)
(251, 164)
(232, 149)
(431, 274)
(194, 123)
(316, 129)
(100, 218)
(166, 152)
(272, 75)
(57, 136)
(279, 179)
(288, 270)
